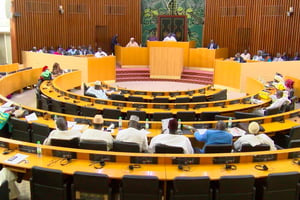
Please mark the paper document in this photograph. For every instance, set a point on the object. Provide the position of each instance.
(31, 117)
(201, 131)
(71, 124)
(16, 158)
(235, 131)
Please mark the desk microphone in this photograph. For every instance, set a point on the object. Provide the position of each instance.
(131, 167)
(261, 167)
(296, 161)
(230, 167)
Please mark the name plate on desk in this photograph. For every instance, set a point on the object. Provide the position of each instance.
(263, 158)
(143, 160)
(187, 161)
(64, 154)
(27, 149)
(3, 144)
(99, 157)
(226, 160)
(295, 154)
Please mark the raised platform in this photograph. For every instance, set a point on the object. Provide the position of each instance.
(143, 74)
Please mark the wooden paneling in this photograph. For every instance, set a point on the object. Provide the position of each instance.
(41, 24)
(253, 25)
(235, 24)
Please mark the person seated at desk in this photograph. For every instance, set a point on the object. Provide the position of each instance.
(254, 138)
(278, 101)
(132, 134)
(214, 136)
(132, 43)
(97, 91)
(97, 134)
(56, 70)
(246, 55)
(212, 45)
(289, 85)
(277, 58)
(61, 132)
(238, 58)
(170, 37)
(172, 139)
(100, 53)
(46, 74)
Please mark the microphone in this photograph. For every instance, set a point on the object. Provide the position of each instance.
(131, 167)
(111, 126)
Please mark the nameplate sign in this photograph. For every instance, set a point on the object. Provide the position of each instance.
(100, 157)
(186, 161)
(295, 154)
(143, 160)
(3, 144)
(64, 154)
(263, 158)
(226, 160)
(27, 149)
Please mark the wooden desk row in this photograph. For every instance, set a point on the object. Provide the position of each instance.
(164, 166)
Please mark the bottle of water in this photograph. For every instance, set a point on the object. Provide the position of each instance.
(147, 124)
(120, 122)
(179, 124)
(230, 122)
(39, 149)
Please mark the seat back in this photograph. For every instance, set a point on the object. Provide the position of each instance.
(162, 115)
(93, 183)
(208, 116)
(47, 184)
(160, 100)
(293, 144)
(73, 143)
(89, 111)
(20, 130)
(39, 132)
(135, 187)
(71, 108)
(93, 145)
(272, 111)
(217, 148)
(118, 97)
(281, 186)
(201, 98)
(4, 191)
(294, 133)
(163, 148)
(260, 147)
(111, 113)
(141, 114)
(221, 95)
(56, 106)
(236, 187)
(135, 99)
(186, 115)
(245, 115)
(191, 188)
(182, 100)
(45, 102)
(121, 146)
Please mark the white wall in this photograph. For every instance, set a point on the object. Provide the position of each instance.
(5, 41)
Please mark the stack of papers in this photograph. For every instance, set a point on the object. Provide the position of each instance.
(235, 131)
(16, 158)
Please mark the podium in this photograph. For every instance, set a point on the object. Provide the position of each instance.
(166, 62)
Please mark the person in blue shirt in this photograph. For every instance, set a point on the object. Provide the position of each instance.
(214, 136)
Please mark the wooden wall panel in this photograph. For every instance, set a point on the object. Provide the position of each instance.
(235, 24)
(40, 23)
(256, 24)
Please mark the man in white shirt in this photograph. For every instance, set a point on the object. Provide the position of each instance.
(97, 134)
(97, 91)
(170, 37)
(278, 101)
(100, 53)
(172, 139)
(254, 138)
(62, 132)
(132, 43)
(132, 134)
(246, 55)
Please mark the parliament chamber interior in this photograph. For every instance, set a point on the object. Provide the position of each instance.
(74, 168)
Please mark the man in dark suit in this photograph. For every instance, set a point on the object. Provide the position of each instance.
(212, 45)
